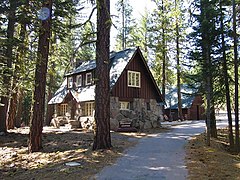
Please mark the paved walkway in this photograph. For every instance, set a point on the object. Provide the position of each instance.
(160, 156)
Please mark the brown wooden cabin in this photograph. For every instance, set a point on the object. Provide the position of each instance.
(192, 105)
(135, 98)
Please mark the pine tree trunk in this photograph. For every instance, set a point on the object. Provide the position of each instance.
(37, 119)
(18, 116)
(50, 109)
(207, 70)
(237, 147)
(227, 91)
(180, 114)
(3, 114)
(12, 107)
(15, 89)
(163, 56)
(4, 100)
(102, 136)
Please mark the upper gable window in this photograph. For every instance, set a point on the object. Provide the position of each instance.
(88, 78)
(79, 80)
(70, 82)
(134, 79)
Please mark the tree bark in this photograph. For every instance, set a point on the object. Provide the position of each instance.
(163, 56)
(18, 116)
(50, 109)
(237, 147)
(4, 99)
(37, 119)
(21, 50)
(180, 114)
(225, 75)
(206, 66)
(102, 136)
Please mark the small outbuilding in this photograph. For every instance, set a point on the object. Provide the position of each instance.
(192, 104)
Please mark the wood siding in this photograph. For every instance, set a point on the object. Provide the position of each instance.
(146, 91)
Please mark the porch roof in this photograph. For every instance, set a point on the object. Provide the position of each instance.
(60, 94)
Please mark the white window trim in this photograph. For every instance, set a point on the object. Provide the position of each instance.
(63, 109)
(70, 82)
(124, 105)
(132, 80)
(89, 109)
(79, 83)
(88, 83)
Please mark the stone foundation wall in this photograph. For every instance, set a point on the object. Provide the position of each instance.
(139, 115)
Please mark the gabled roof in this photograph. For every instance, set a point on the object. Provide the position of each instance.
(118, 62)
(187, 95)
(84, 66)
(82, 94)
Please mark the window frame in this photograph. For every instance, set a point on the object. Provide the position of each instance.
(124, 105)
(89, 108)
(63, 109)
(70, 82)
(79, 83)
(90, 80)
(134, 79)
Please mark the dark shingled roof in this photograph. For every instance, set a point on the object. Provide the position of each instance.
(118, 61)
(188, 95)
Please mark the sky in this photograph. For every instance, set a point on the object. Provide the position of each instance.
(138, 10)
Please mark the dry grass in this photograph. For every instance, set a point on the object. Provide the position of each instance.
(214, 162)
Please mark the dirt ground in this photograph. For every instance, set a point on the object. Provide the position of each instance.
(61, 146)
(214, 162)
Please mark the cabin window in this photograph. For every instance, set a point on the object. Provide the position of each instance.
(70, 82)
(89, 109)
(124, 105)
(88, 78)
(134, 79)
(79, 80)
(63, 109)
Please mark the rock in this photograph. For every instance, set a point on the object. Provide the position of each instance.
(119, 117)
(114, 124)
(147, 125)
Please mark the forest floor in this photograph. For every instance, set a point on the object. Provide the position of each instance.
(214, 162)
(62, 146)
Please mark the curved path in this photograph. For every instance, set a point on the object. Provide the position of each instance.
(158, 156)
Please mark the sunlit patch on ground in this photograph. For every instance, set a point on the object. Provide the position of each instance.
(214, 162)
(61, 146)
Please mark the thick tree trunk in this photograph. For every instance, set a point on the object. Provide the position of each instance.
(4, 100)
(102, 136)
(37, 119)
